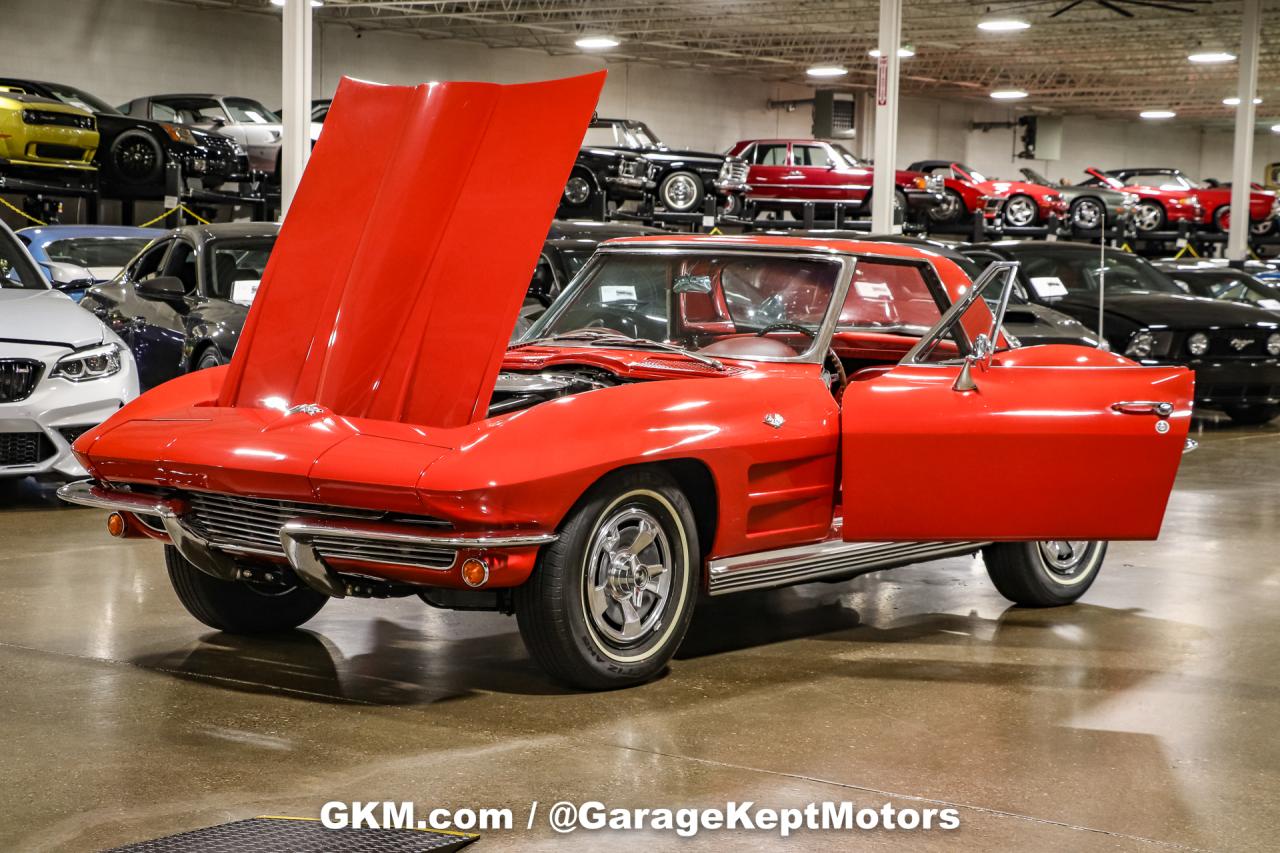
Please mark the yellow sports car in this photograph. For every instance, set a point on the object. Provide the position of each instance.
(45, 135)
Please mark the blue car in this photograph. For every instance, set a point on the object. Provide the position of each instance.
(76, 257)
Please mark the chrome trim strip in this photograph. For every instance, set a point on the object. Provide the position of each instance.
(828, 559)
(90, 493)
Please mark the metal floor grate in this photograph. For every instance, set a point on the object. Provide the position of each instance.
(298, 835)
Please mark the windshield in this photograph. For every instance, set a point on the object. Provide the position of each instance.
(17, 272)
(96, 251)
(1164, 180)
(692, 299)
(249, 111)
(1231, 286)
(1035, 177)
(80, 98)
(959, 170)
(1053, 274)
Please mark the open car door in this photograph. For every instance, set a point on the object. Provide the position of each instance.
(967, 439)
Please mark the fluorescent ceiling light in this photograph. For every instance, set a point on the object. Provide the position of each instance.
(1235, 102)
(826, 71)
(1157, 114)
(1212, 56)
(315, 4)
(1275, 128)
(1008, 94)
(1003, 25)
(597, 42)
(904, 52)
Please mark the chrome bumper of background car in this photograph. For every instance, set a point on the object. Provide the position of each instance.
(308, 543)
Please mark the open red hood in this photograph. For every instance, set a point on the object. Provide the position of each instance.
(401, 266)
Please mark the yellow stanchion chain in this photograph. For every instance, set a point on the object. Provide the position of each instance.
(22, 213)
(181, 207)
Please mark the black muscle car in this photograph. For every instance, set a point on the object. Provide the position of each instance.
(132, 151)
(181, 303)
(1234, 349)
(684, 178)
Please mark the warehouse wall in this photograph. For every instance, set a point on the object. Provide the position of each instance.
(120, 49)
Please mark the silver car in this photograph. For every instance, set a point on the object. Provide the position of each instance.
(256, 128)
(62, 371)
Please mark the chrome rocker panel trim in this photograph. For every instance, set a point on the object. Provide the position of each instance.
(830, 559)
(297, 537)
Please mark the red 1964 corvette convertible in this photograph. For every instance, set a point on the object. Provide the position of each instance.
(693, 416)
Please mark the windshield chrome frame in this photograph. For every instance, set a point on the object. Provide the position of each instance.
(814, 354)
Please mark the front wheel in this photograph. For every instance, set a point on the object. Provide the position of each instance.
(1088, 214)
(611, 599)
(209, 358)
(1148, 216)
(681, 192)
(239, 607)
(1043, 574)
(1020, 211)
(950, 209)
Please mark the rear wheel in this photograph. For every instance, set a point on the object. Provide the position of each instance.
(1252, 415)
(579, 191)
(611, 599)
(1044, 574)
(1222, 218)
(237, 607)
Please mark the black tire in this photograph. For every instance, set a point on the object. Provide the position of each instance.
(239, 608)
(899, 203)
(1023, 574)
(681, 192)
(1149, 216)
(136, 158)
(553, 608)
(1088, 214)
(1013, 208)
(209, 357)
(579, 191)
(950, 210)
(1252, 415)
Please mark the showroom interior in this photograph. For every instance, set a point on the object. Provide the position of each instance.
(524, 424)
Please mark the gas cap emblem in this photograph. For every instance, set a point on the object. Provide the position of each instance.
(775, 420)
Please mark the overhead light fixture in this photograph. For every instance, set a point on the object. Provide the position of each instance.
(1211, 57)
(1008, 94)
(1235, 102)
(1157, 114)
(904, 52)
(315, 4)
(1275, 128)
(597, 42)
(826, 71)
(1003, 25)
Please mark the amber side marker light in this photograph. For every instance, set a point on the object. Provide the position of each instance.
(115, 524)
(475, 572)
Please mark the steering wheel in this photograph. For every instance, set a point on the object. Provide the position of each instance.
(837, 366)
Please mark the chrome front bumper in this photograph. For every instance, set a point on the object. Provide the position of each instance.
(308, 543)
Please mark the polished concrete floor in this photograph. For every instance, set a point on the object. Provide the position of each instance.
(1144, 718)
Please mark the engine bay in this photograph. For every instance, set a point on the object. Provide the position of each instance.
(515, 391)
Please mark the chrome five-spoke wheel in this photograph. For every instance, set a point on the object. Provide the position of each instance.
(1020, 211)
(628, 576)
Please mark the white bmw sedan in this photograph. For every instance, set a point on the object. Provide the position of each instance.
(61, 370)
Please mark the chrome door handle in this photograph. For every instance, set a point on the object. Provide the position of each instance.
(1143, 407)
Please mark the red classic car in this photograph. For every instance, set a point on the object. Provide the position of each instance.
(693, 416)
(1016, 203)
(784, 174)
(1215, 202)
(1158, 206)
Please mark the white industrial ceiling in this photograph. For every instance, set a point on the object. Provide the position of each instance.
(1090, 58)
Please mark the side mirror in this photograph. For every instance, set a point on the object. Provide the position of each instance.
(163, 288)
(64, 276)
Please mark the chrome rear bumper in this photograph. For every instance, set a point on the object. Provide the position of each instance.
(308, 543)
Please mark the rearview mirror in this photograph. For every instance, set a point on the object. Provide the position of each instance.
(162, 288)
(64, 276)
